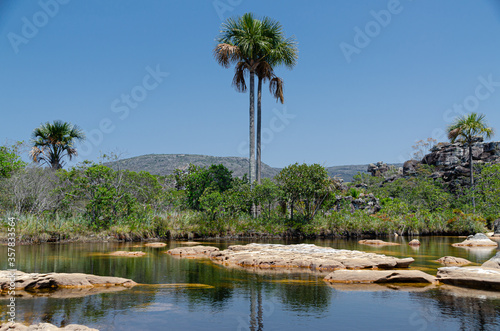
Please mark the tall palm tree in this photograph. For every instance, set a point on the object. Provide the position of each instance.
(466, 130)
(54, 141)
(248, 43)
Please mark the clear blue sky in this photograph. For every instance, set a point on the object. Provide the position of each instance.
(354, 97)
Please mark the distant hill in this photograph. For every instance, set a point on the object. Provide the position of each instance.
(165, 164)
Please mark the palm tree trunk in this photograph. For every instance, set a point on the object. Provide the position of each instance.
(471, 168)
(259, 125)
(251, 175)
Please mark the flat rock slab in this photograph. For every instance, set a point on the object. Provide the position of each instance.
(375, 242)
(379, 276)
(128, 254)
(193, 251)
(36, 281)
(473, 277)
(478, 240)
(452, 260)
(155, 245)
(43, 327)
(304, 256)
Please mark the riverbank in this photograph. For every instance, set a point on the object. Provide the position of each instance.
(32, 229)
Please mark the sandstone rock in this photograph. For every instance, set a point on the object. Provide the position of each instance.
(127, 253)
(304, 256)
(478, 240)
(43, 327)
(155, 245)
(493, 263)
(452, 260)
(193, 251)
(410, 167)
(379, 276)
(474, 277)
(376, 242)
(35, 281)
(414, 242)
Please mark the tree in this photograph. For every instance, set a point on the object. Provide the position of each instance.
(54, 141)
(305, 187)
(466, 130)
(253, 46)
(10, 160)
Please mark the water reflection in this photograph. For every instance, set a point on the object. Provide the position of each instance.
(233, 298)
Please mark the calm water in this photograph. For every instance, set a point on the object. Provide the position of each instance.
(235, 299)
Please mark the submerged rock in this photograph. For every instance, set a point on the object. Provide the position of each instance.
(193, 251)
(474, 277)
(155, 245)
(127, 253)
(304, 256)
(379, 276)
(376, 242)
(493, 263)
(452, 260)
(36, 281)
(477, 240)
(43, 327)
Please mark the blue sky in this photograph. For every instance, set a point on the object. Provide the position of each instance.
(372, 77)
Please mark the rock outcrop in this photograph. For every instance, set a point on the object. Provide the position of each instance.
(452, 261)
(381, 169)
(474, 277)
(379, 276)
(367, 202)
(128, 253)
(414, 242)
(36, 281)
(193, 251)
(477, 240)
(304, 256)
(496, 228)
(155, 245)
(43, 327)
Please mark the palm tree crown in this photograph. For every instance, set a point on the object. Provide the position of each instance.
(54, 141)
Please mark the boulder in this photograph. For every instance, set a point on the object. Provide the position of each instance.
(375, 242)
(477, 240)
(304, 256)
(452, 260)
(193, 251)
(473, 277)
(379, 276)
(493, 263)
(128, 253)
(410, 167)
(414, 242)
(42, 327)
(36, 281)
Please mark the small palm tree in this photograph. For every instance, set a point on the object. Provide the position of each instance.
(466, 130)
(54, 141)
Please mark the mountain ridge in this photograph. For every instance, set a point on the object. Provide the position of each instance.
(165, 164)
